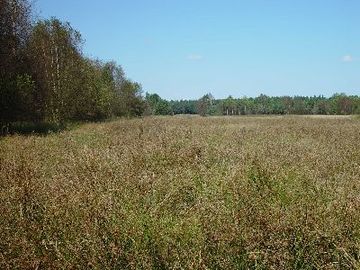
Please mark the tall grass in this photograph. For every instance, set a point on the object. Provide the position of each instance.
(183, 193)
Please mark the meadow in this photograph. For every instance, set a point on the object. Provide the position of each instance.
(274, 192)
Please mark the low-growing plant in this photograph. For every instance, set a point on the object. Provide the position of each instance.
(183, 193)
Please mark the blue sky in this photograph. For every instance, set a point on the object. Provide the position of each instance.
(186, 48)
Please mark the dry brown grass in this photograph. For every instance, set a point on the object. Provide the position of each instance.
(184, 193)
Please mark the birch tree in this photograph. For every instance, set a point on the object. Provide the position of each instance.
(55, 53)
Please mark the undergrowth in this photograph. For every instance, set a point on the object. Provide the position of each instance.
(183, 193)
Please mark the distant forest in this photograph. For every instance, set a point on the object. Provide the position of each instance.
(45, 77)
(340, 104)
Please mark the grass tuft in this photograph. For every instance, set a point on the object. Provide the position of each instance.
(183, 193)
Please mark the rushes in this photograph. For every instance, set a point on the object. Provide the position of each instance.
(198, 193)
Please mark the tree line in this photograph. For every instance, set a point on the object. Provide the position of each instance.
(45, 77)
(339, 104)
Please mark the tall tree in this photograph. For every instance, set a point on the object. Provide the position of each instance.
(55, 53)
(131, 100)
(15, 25)
(156, 105)
(204, 104)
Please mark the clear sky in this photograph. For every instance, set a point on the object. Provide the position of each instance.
(186, 48)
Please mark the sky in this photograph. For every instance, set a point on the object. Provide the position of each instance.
(184, 49)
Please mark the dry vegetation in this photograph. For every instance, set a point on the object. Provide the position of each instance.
(184, 193)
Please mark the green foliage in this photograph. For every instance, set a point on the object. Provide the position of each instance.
(26, 97)
(46, 78)
(156, 105)
(343, 104)
(129, 98)
(338, 104)
(205, 104)
(183, 106)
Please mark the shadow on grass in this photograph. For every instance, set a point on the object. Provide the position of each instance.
(46, 128)
(29, 128)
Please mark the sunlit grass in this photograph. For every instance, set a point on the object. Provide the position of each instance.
(193, 193)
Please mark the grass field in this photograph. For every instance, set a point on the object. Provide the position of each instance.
(184, 193)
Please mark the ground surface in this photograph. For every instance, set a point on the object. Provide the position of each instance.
(184, 192)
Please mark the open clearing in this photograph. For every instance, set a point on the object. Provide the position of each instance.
(184, 193)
